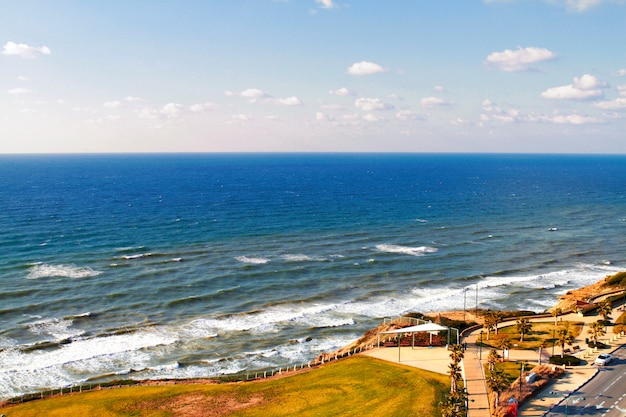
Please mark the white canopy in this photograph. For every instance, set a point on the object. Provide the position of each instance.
(429, 327)
(426, 327)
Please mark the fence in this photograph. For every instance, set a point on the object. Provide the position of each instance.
(238, 377)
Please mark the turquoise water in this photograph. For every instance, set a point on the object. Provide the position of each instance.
(152, 266)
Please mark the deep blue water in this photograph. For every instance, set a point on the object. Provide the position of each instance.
(194, 265)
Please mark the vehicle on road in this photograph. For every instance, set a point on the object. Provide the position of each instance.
(603, 359)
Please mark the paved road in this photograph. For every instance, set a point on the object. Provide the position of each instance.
(604, 395)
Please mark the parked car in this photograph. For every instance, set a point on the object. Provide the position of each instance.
(603, 359)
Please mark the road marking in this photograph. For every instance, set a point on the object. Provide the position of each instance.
(599, 406)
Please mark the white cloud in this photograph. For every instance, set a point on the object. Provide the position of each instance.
(574, 119)
(370, 104)
(341, 92)
(22, 78)
(430, 102)
(439, 88)
(171, 110)
(240, 117)
(582, 5)
(587, 87)
(326, 4)
(407, 115)
(518, 60)
(289, 101)
(23, 50)
(617, 104)
(20, 91)
(572, 5)
(365, 68)
(201, 107)
(112, 104)
(253, 93)
(131, 99)
(319, 116)
(621, 72)
(369, 117)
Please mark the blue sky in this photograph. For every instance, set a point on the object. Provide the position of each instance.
(313, 76)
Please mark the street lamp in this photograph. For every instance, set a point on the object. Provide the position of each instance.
(464, 297)
(521, 373)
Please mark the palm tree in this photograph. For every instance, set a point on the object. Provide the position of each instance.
(454, 405)
(556, 313)
(596, 329)
(523, 327)
(492, 359)
(605, 309)
(456, 353)
(497, 319)
(454, 371)
(564, 336)
(490, 323)
(505, 344)
(497, 382)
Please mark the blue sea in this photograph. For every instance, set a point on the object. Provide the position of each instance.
(182, 266)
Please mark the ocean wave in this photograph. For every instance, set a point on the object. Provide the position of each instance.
(303, 258)
(407, 250)
(63, 271)
(252, 260)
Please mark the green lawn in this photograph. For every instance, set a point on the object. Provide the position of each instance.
(541, 332)
(352, 387)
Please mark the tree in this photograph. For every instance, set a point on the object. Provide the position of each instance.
(454, 370)
(505, 344)
(564, 336)
(497, 382)
(454, 405)
(497, 319)
(523, 327)
(456, 353)
(556, 313)
(492, 359)
(596, 329)
(490, 323)
(605, 309)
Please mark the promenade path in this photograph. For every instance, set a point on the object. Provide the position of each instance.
(558, 389)
(437, 360)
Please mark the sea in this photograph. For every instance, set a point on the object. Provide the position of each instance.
(150, 266)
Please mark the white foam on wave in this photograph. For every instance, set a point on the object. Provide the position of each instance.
(271, 319)
(63, 271)
(31, 370)
(303, 258)
(60, 329)
(407, 250)
(252, 260)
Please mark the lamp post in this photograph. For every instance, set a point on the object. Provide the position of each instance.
(476, 307)
(480, 347)
(464, 297)
(553, 340)
(521, 373)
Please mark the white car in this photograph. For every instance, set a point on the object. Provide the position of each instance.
(603, 359)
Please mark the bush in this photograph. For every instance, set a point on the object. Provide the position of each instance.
(617, 279)
(568, 360)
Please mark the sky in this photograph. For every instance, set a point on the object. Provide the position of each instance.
(518, 76)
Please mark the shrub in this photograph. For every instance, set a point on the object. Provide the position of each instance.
(617, 279)
(568, 360)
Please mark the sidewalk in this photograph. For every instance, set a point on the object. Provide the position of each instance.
(437, 360)
(558, 389)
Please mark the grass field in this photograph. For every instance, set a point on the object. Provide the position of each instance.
(352, 387)
(541, 333)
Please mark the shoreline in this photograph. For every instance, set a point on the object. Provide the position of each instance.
(564, 303)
